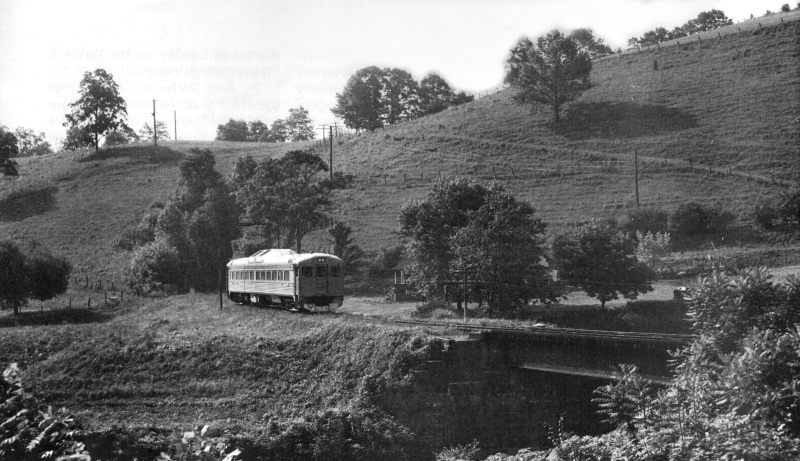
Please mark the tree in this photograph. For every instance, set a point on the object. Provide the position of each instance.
(78, 138)
(299, 125)
(650, 248)
(123, 136)
(343, 245)
(501, 249)
(692, 218)
(279, 131)
(588, 43)
(146, 132)
(288, 196)
(708, 20)
(100, 108)
(234, 130)
(30, 273)
(258, 131)
(552, 71)
(8, 150)
(435, 94)
(360, 104)
(400, 96)
(31, 144)
(198, 175)
(601, 260)
(466, 226)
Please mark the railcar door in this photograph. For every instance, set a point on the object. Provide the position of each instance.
(321, 278)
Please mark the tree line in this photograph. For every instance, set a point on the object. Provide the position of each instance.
(298, 126)
(375, 97)
(707, 20)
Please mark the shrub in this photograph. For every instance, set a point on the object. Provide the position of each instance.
(691, 219)
(426, 309)
(644, 220)
(154, 266)
(764, 216)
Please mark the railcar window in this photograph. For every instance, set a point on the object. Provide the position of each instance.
(263, 275)
(258, 275)
(322, 271)
(286, 275)
(269, 275)
(308, 271)
(335, 271)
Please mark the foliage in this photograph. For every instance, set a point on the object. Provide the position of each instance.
(464, 225)
(146, 132)
(501, 249)
(30, 273)
(765, 216)
(258, 131)
(736, 393)
(192, 446)
(78, 137)
(343, 245)
(123, 136)
(8, 150)
(552, 71)
(100, 109)
(706, 20)
(31, 430)
(279, 131)
(644, 220)
(360, 104)
(234, 130)
(650, 248)
(590, 44)
(31, 144)
(601, 260)
(184, 242)
(299, 125)
(691, 219)
(287, 196)
(467, 452)
(790, 204)
(374, 98)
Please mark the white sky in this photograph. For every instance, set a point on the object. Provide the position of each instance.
(212, 60)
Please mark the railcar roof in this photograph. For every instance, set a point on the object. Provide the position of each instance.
(278, 256)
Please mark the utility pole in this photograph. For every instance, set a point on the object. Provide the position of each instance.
(323, 132)
(330, 163)
(175, 123)
(466, 298)
(636, 174)
(155, 130)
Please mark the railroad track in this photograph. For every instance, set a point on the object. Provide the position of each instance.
(574, 333)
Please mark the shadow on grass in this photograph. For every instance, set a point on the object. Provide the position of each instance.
(637, 316)
(52, 317)
(621, 120)
(144, 154)
(23, 204)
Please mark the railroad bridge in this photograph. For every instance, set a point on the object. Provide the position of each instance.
(506, 387)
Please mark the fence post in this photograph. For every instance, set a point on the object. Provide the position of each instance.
(121, 295)
(105, 300)
(69, 306)
(494, 173)
(513, 173)
(89, 303)
(690, 165)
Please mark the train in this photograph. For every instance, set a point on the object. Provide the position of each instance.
(310, 282)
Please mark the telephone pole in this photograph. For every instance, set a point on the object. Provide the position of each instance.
(155, 129)
(636, 174)
(175, 123)
(330, 162)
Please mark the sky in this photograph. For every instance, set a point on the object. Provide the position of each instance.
(207, 61)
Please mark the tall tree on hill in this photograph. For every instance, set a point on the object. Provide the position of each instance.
(587, 42)
(344, 246)
(258, 131)
(8, 150)
(100, 108)
(234, 130)
(299, 125)
(30, 143)
(435, 94)
(400, 96)
(552, 71)
(279, 131)
(146, 132)
(360, 104)
(78, 137)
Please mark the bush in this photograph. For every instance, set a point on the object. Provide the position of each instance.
(154, 266)
(692, 219)
(644, 220)
(764, 216)
(427, 309)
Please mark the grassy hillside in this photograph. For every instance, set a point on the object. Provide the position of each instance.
(729, 104)
(247, 372)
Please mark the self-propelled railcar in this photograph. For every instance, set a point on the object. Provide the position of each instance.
(309, 281)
